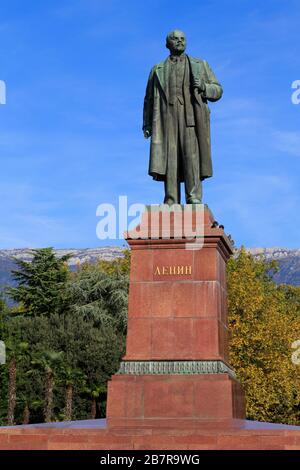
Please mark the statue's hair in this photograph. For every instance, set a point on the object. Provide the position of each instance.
(170, 34)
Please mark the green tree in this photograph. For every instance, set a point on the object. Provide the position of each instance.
(3, 313)
(49, 362)
(41, 283)
(80, 317)
(37, 333)
(94, 392)
(16, 353)
(3, 367)
(100, 293)
(70, 378)
(99, 296)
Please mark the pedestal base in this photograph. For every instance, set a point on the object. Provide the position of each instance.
(169, 401)
(94, 435)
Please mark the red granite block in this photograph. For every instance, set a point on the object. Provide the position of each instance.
(154, 442)
(193, 439)
(163, 397)
(7, 447)
(133, 431)
(28, 446)
(112, 446)
(202, 447)
(213, 399)
(208, 299)
(238, 397)
(224, 306)
(171, 338)
(139, 300)
(202, 436)
(138, 339)
(169, 398)
(100, 440)
(153, 299)
(176, 338)
(141, 265)
(160, 299)
(145, 444)
(173, 258)
(183, 299)
(182, 332)
(206, 265)
(36, 439)
(221, 266)
(12, 430)
(206, 339)
(167, 225)
(295, 434)
(172, 224)
(128, 392)
(274, 440)
(180, 299)
(162, 338)
(167, 299)
(168, 219)
(238, 442)
(57, 445)
(223, 342)
(71, 438)
(116, 398)
(134, 399)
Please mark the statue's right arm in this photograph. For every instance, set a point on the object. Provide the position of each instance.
(213, 89)
(148, 106)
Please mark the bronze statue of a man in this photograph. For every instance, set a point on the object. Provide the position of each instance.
(177, 118)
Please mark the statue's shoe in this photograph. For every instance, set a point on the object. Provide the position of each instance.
(194, 201)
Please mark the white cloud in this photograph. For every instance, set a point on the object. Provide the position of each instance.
(287, 142)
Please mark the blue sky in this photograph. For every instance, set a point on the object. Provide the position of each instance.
(70, 133)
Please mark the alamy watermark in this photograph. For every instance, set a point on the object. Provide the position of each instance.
(2, 352)
(2, 92)
(296, 94)
(296, 354)
(137, 221)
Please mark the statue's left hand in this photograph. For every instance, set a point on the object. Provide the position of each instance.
(199, 84)
(147, 133)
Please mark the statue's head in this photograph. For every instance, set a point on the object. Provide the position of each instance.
(176, 42)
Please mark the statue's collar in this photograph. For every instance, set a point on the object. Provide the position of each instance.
(177, 58)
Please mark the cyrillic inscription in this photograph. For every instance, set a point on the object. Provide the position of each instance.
(173, 270)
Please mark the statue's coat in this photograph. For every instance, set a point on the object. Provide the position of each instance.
(156, 115)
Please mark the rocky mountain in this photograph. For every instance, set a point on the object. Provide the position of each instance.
(78, 257)
(288, 260)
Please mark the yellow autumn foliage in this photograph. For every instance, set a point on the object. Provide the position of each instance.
(264, 321)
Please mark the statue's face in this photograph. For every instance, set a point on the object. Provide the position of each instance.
(177, 42)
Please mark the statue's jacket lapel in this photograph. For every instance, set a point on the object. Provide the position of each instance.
(162, 69)
(162, 73)
(199, 69)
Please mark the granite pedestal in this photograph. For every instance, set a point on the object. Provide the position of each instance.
(176, 371)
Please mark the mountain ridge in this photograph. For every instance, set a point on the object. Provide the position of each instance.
(288, 260)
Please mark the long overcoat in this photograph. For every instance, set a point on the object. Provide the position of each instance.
(156, 109)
